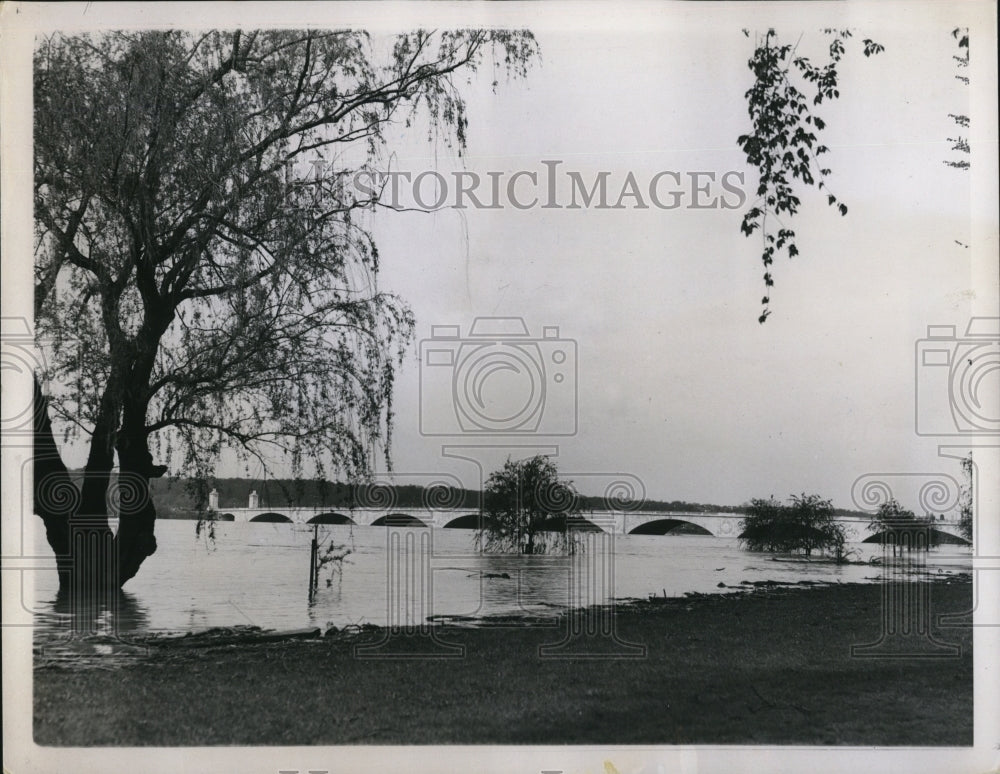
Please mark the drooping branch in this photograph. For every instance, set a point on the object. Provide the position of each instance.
(783, 144)
(961, 143)
(216, 292)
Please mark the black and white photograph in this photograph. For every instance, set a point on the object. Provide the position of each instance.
(552, 387)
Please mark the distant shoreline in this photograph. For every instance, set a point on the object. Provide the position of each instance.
(175, 494)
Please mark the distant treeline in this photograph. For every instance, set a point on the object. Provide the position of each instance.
(178, 498)
(179, 494)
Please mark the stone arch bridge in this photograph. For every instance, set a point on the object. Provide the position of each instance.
(614, 522)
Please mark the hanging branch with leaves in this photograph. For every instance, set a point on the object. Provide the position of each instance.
(961, 144)
(784, 143)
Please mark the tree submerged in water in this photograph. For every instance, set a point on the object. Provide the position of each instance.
(901, 529)
(198, 287)
(805, 524)
(527, 508)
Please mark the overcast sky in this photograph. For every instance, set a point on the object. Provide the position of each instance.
(678, 384)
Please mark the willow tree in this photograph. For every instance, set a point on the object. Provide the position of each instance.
(806, 523)
(901, 528)
(199, 284)
(524, 500)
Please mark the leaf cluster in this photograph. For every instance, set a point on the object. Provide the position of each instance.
(784, 142)
(961, 143)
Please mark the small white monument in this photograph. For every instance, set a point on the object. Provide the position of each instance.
(254, 499)
(213, 500)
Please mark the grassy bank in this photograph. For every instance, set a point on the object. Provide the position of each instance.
(769, 667)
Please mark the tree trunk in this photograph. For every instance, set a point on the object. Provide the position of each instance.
(137, 516)
(92, 549)
(135, 540)
(75, 518)
(56, 498)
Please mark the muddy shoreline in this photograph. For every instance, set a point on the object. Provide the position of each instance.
(770, 665)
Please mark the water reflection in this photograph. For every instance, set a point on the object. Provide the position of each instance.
(111, 614)
(257, 574)
(74, 626)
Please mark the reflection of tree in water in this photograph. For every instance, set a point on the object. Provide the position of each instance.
(516, 579)
(110, 613)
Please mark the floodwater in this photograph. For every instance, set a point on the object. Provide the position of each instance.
(257, 574)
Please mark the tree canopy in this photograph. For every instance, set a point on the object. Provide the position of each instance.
(199, 287)
(806, 523)
(900, 527)
(523, 500)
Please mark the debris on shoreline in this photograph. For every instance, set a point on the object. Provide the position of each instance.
(114, 652)
(232, 635)
(709, 676)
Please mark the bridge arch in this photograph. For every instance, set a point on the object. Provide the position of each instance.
(272, 518)
(940, 536)
(331, 517)
(571, 523)
(224, 517)
(469, 521)
(398, 520)
(934, 536)
(669, 526)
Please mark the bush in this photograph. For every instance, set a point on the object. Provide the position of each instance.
(901, 529)
(804, 524)
(525, 501)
